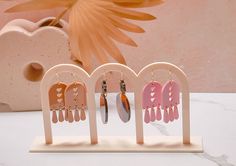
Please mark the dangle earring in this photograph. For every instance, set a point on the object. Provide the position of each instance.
(151, 101)
(56, 101)
(75, 102)
(122, 103)
(170, 100)
(103, 103)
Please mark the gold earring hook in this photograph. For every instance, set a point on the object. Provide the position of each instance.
(104, 76)
(58, 79)
(153, 79)
(121, 76)
(170, 76)
(74, 77)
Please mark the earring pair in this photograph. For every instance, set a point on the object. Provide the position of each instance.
(67, 102)
(156, 97)
(122, 103)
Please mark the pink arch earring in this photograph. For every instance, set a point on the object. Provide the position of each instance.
(152, 100)
(56, 101)
(170, 101)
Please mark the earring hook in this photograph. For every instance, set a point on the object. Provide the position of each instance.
(121, 76)
(153, 79)
(104, 76)
(170, 76)
(58, 79)
(74, 76)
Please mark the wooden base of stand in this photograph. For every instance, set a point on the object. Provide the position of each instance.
(117, 144)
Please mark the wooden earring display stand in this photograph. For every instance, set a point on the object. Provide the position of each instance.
(49, 143)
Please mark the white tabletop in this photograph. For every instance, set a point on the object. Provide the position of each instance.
(212, 117)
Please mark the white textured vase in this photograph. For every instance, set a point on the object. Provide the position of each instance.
(27, 51)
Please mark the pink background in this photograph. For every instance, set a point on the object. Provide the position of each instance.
(197, 35)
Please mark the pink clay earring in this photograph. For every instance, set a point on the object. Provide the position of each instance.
(170, 100)
(152, 101)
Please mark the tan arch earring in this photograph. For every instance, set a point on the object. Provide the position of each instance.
(57, 101)
(75, 102)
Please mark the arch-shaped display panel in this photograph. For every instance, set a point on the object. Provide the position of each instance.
(133, 78)
(44, 87)
(184, 88)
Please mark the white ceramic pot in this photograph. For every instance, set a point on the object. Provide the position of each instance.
(27, 51)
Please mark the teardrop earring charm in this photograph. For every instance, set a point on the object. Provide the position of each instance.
(122, 103)
(76, 115)
(61, 116)
(70, 115)
(103, 103)
(54, 116)
(82, 114)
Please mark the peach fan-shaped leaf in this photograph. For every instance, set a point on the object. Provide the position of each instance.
(137, 3)
(95, 25)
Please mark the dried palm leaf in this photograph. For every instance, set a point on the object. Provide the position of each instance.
(95, 25)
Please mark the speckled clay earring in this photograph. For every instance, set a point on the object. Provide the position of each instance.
(122, 103)
(56, 101)
(75, 102)
(170, 101)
